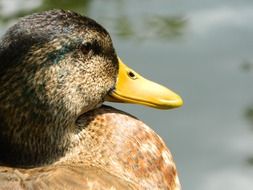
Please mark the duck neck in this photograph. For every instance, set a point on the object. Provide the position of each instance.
(30, 138)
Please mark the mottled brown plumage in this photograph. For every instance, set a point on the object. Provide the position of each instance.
(56, 69)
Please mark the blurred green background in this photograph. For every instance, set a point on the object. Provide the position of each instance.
(203, 51)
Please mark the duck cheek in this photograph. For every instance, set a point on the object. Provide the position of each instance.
(88, 104)
(87, 97)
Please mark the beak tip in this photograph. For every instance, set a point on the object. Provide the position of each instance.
(179, 102)
(171, 103)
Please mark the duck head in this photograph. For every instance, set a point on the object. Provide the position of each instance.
(55, 66)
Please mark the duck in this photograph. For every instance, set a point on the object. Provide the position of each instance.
(57, 68)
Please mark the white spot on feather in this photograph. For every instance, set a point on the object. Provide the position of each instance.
(148, 147)
(167, 157)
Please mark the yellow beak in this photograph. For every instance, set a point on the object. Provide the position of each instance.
(133, 88)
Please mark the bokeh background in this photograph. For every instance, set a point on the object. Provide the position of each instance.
(201, 49)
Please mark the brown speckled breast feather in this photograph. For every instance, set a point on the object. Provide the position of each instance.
(115, 151)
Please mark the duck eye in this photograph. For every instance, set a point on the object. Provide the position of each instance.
(86, 47)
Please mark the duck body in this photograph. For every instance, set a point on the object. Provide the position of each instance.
(57, 68)
(98, 162)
